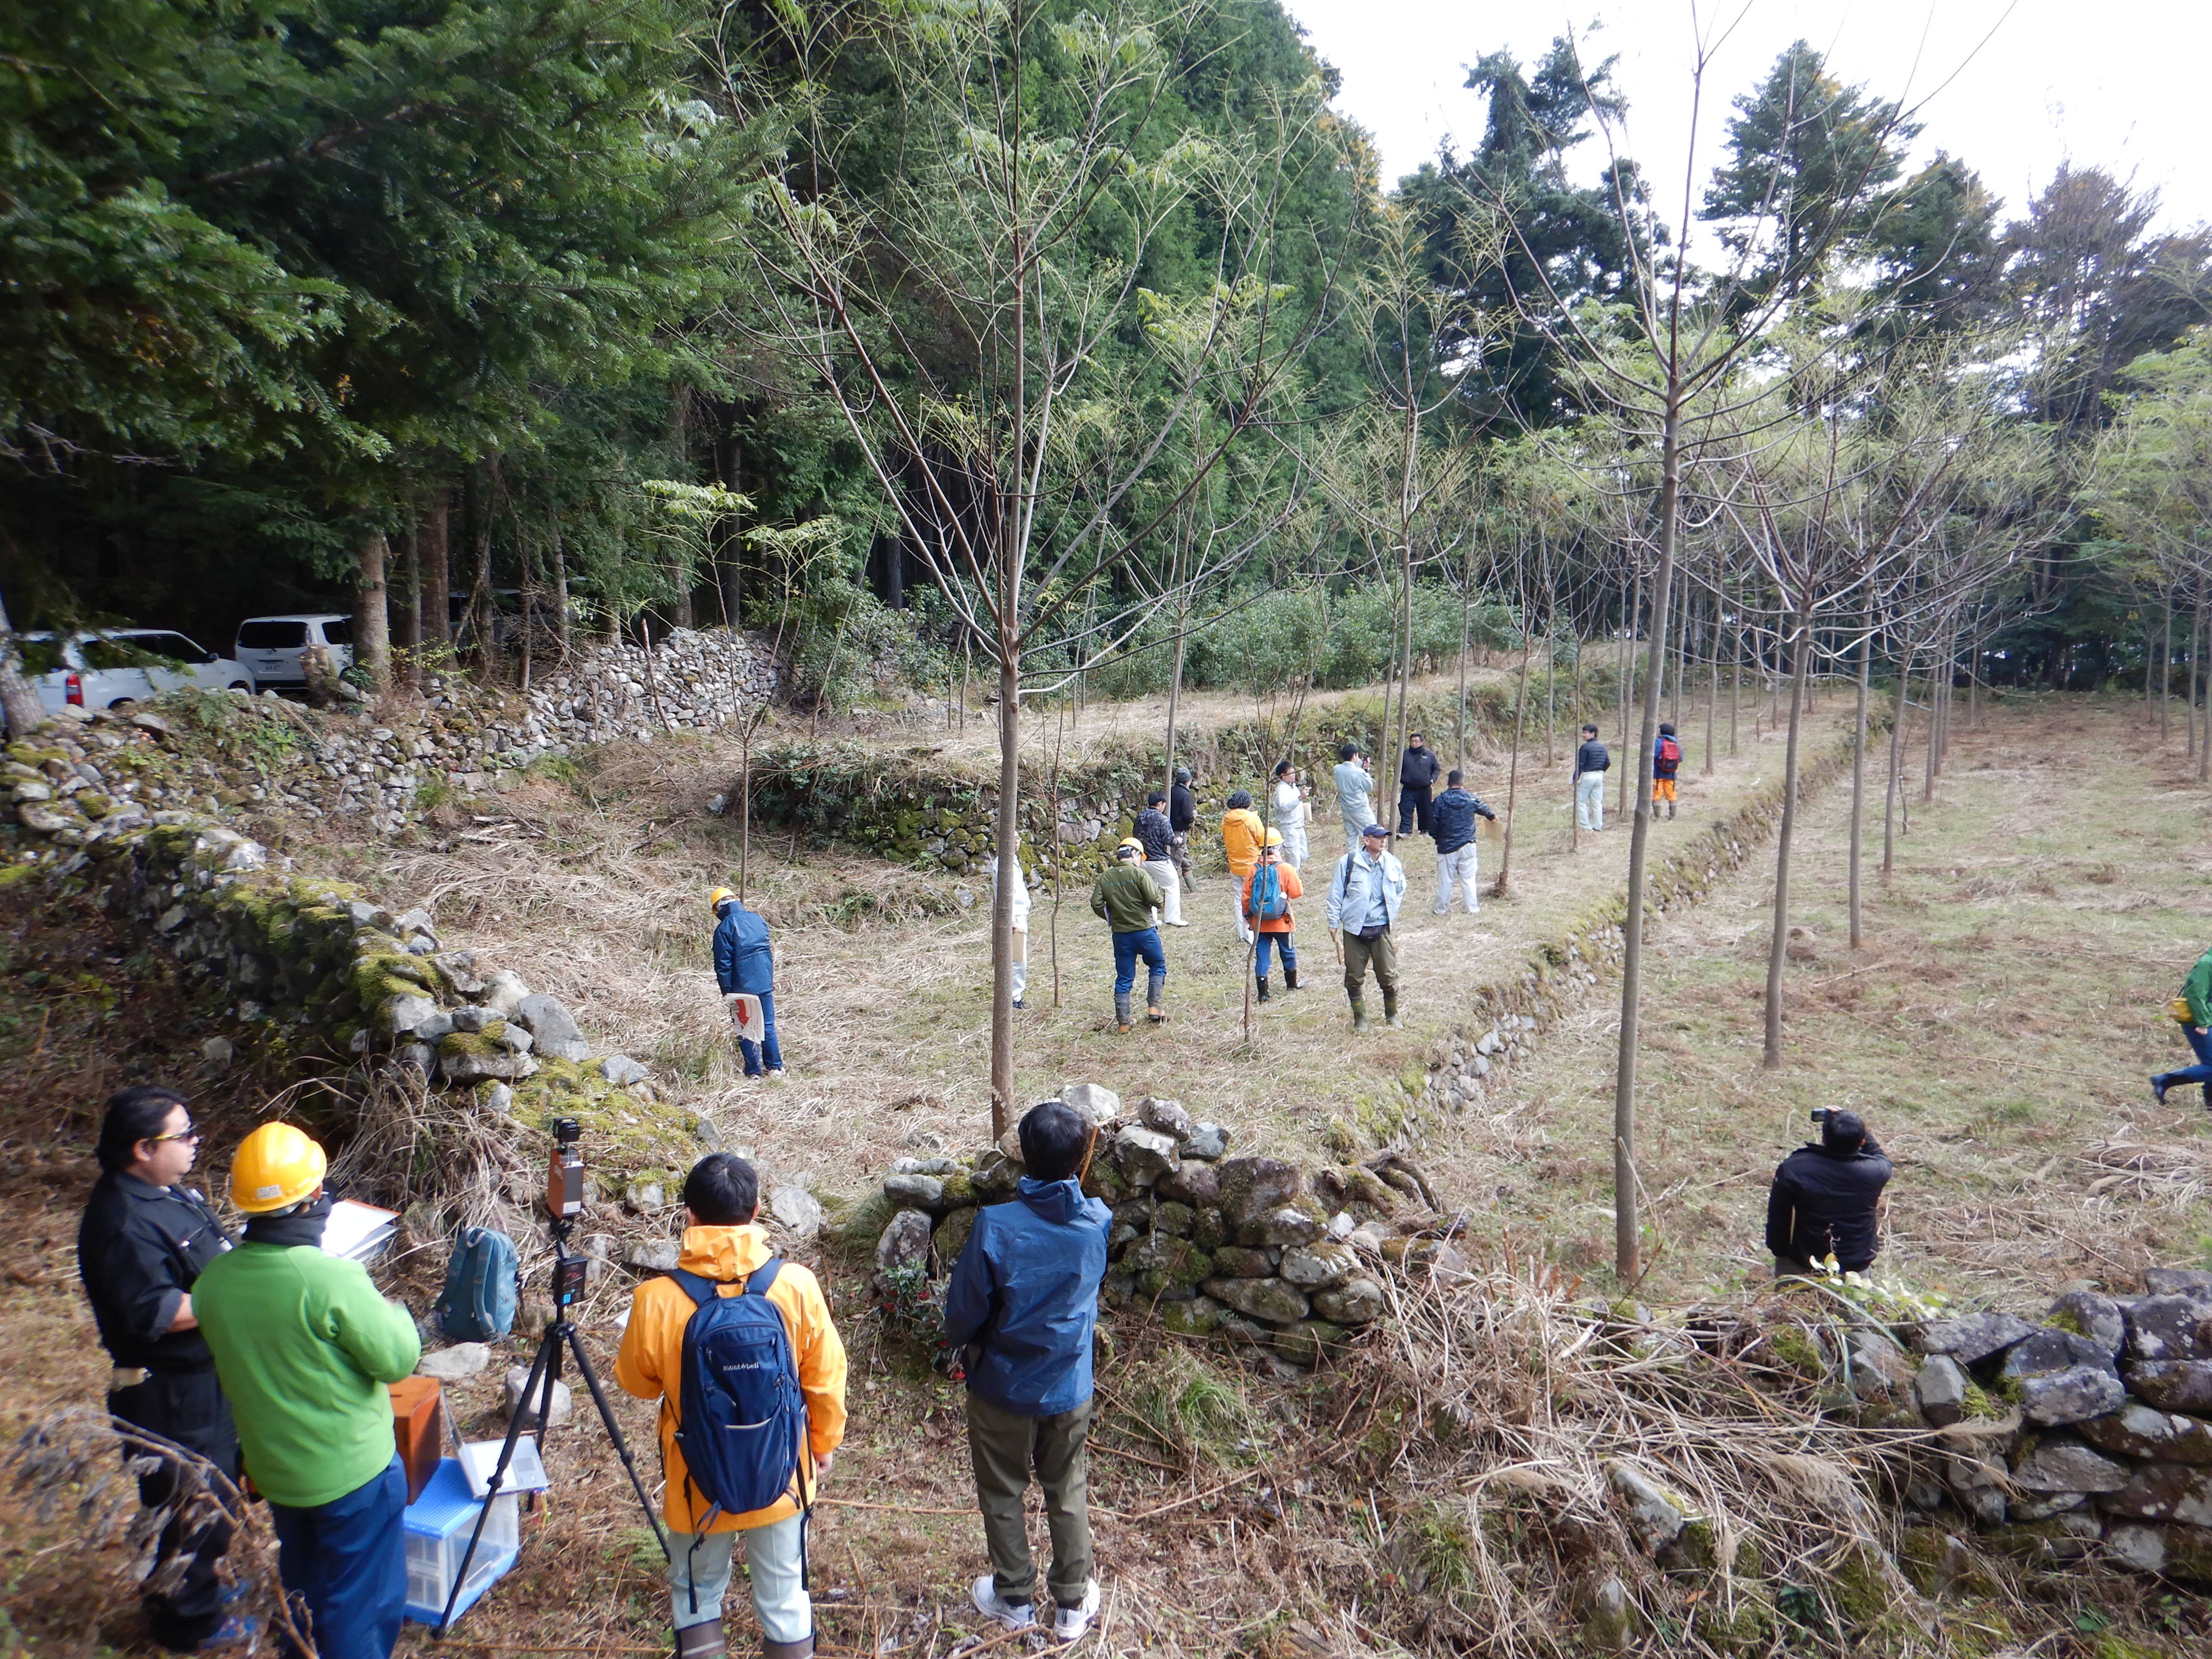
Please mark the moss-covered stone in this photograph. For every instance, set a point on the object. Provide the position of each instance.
(1738, 1619)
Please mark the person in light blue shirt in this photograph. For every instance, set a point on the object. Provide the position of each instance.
(1363, 896)
(1355, 787)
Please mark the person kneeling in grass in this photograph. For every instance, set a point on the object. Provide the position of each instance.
(1023, 1302)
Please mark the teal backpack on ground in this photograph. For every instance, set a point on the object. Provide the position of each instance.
(1268, 900)
(478, 1304)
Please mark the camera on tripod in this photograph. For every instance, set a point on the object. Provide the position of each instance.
(564, 1202)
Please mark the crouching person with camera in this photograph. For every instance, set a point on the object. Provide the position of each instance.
(1824, 1200)
(1022, 1304)
(305, 1345)
(736, 1336)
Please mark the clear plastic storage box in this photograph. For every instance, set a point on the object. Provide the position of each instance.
(438, 1526)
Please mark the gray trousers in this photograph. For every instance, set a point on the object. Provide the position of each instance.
(1004, 1448)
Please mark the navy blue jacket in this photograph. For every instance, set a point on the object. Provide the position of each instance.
(1451, 820)
(1592, 757)
(1152, 828)
(743, 960)
(1026, 1290)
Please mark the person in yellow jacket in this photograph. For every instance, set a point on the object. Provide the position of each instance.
(1242, 835)
(723, 1242)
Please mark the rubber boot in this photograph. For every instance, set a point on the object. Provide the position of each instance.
(802, 1649)
(1290, 976)
(1121, 1011)
(1670, 812)
(1358, 1015)
(1153, 986)
(1390, 1016)
(1263, 988)
(702, 1641)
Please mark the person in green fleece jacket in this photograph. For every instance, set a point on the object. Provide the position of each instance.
(304, 1346)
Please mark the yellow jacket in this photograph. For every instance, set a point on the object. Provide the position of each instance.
(1242, 835)
(651, 1363)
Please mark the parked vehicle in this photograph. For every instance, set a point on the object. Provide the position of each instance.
(114, 667)
(271, 645)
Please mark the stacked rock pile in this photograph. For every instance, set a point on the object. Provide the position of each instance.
(2103, 1422)
(694, 679)
(1253, 1251)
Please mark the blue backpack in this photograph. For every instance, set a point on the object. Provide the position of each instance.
(1268, 900)
(741, 1419)
(478, 1304)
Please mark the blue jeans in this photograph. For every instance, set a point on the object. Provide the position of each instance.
(1260, 954)
(2200, 1043)
(348, 1560)
(1127, 947)
(752, 1052)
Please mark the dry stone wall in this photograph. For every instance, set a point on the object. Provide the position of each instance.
(307, 966)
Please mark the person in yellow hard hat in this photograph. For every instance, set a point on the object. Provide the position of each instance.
(744, 964)
(1126, 896)
(1268, 891)
(304, 1346)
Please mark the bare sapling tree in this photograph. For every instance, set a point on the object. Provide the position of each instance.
(979, 321)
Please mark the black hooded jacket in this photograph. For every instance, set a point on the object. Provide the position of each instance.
(1823, 1201)
(140, 1248)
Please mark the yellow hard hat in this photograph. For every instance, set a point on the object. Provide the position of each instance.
(1130, 844)
(714, 899)
(274, 1167)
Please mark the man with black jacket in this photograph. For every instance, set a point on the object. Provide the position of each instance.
(140, 1248)
(1182, 818)
(1417, 776)
(1822, 1202)
(1591, 765)
(1453, 820)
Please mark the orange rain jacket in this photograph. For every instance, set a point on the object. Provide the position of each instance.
(651, 1363)
(1241, 833)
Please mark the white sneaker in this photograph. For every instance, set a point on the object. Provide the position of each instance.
(775, 1074)
(1070, 1624)
(991, 1606)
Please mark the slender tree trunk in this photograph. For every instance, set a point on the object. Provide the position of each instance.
(2204, 746)
(1974, 678)
(1735, 683)
(437, 615)
(372, 619)
(1896, 766)
(1681, 653)
(19, 699)
(1709, 644)
(1628, 1241)
(1513, 770)
(1405, 677)
(1778, 954)
(1658, 655)
(1175, 696)
(1466, 607)
(2165, 668)
(2196, 628)
(744, 806)
(410, 607)
(1008, 838)
(560, 594)
(1858, 774)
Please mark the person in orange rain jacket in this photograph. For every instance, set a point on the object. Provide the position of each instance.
(1271, 873)
(1242, 835)
(723, 1242)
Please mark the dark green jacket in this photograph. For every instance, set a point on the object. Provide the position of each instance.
(1127, 897)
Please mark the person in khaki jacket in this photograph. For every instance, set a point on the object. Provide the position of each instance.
(723, 1242)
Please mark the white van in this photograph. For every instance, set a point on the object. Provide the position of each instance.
(271, 645)
(118, 666)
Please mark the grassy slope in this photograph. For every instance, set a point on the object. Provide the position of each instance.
(1995, 1032)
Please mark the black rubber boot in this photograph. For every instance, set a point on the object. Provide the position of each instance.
(802, 1648)
(1290, 976)
(1153, 986)
(1358, 1015)
(702, 1641)
(1263, 988)
(1390, 1009)
(1122, 1010)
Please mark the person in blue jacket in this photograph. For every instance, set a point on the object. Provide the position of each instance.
(1022, 1304)
(745, 962)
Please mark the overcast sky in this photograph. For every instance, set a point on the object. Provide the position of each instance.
(2011, 89)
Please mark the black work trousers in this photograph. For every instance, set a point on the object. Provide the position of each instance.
(1413, 803)
(187, 1408)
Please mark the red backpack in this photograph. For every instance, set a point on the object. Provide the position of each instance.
(1670, 752)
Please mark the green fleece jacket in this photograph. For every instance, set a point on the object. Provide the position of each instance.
(303, 1344)
(1127, 897)
(2197, 987)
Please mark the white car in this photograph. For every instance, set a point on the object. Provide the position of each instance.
(271, 645)
(118, 666)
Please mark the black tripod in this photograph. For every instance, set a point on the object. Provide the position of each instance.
(567, 1285)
